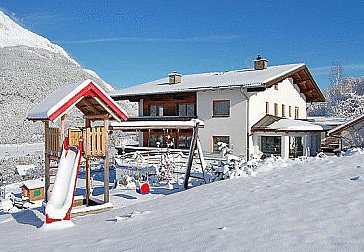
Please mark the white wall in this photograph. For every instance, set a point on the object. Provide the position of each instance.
(287, 94)
(233, 126)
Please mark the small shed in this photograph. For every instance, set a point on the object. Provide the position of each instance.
(32, 190)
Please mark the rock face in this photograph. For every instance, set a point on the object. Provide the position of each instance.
(31, 67)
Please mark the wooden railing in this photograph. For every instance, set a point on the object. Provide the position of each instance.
(52, 143)
(95, 142)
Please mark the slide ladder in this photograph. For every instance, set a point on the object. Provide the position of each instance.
(59, 206)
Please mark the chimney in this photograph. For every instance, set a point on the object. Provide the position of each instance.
(175, 78)
(260, 64)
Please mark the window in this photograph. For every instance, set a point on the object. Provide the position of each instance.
(275, 109)
(276, 86)
(283, 110)
(186, 110)
(221, 108)
(270, 145)
(217, 139)
(290, 111)
(37, 192)
(156, 110)
(296, 113)
(267, 108)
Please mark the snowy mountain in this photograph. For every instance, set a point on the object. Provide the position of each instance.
(13, 34)
(31, 68)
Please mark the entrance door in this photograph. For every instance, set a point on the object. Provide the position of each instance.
(295, 146)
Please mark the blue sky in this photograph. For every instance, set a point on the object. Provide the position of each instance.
(130, 42)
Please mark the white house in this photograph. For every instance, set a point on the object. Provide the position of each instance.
(237, 107)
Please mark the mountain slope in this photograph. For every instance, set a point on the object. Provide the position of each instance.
(13, 34)
(31, 67)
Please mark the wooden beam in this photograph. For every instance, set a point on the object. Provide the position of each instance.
(106, 161)
(190, 156)
(107, 109)
(46, 161)
(63, 123)
(96, 117)
(88, 163)
(91, 106)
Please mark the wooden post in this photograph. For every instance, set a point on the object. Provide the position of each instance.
(106, 161)
(88, 161)
(63, 119)
(190, 156)
(46, 161)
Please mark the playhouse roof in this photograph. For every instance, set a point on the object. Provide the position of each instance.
(249, 78)
(33, 184)
(270, 123)
(87, 96)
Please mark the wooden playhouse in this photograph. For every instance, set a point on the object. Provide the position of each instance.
(98, 108)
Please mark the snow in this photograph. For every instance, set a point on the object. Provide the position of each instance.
(302, 205)
(23, 169)
(21, 149)
(207, 81)
(13, 34)
(293, 125)
(157, 124)
(60, 97)
(33, 184)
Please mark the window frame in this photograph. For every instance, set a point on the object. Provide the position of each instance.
(283, 110)
(267, 108)
(214, 145)
(215, 103)
(296, 112)
(275, 109)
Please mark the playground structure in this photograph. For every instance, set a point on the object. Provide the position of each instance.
(62, 162)
(150, 153)
(90, 142)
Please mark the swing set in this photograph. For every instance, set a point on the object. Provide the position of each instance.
(145, 127)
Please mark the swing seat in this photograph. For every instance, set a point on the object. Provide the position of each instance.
(143, 188)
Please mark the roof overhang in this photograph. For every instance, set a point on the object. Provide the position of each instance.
(355, 124)
(146, 125)
(274, 124)
(304, 80)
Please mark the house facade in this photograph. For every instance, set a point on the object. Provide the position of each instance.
(230, 104)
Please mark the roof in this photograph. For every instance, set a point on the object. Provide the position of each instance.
(22, 169)
(89, 97)
(142, 125)
(270, 123)
(345, 126)
(238, 78)
(33, 184)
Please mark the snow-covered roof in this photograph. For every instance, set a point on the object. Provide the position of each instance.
(22, 169)
(33, 184)
(344, 126)
(208, 81)
(278, 124)
(68, 96)
(133, 125)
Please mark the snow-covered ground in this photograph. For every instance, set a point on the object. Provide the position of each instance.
(302, 205)
(17, 150)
